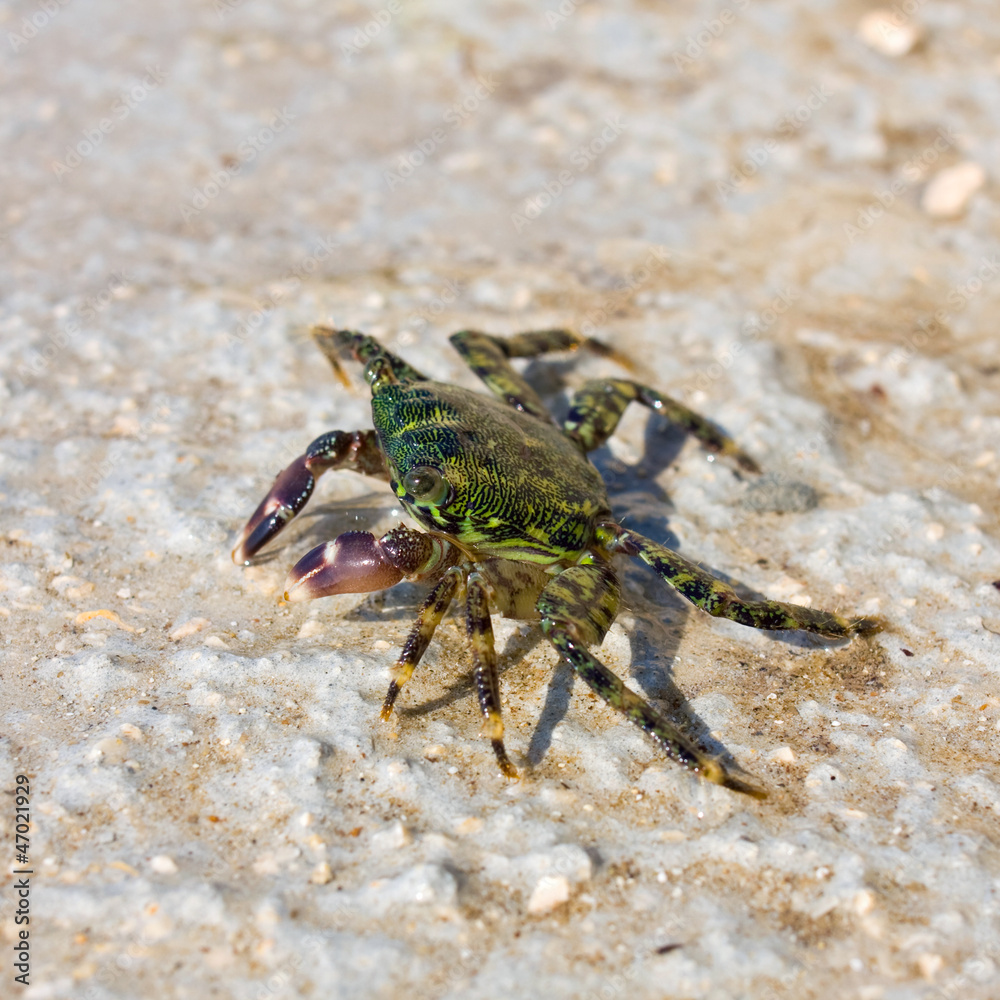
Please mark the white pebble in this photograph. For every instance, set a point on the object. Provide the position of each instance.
(391, 838)
(163, 864)
(310, 627)
(322, 874)
(949, 192)
(469, 825)
(550, 892)
(889, 32)
(188, 628)
(929, 965)
(864, 902)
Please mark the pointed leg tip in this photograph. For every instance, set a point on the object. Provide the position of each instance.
(714, 772)
(331, 342)
(731, 450)
(838, 627)
(868, 626)
(747, 789)
(603, 350)
(393, 693)
(508, 771)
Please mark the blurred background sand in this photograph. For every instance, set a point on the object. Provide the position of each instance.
(785, 211)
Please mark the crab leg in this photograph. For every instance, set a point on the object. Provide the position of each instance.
(356, 450)
(431, 613)
(596, 408)
(488, 357)
(484, 660)
(336, 343)
(577, 609)
(720, 600)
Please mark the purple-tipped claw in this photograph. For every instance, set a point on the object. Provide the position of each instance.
(352, 563)
(286, 498)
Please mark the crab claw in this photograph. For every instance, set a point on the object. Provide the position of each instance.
(286, 498)
(353, 563)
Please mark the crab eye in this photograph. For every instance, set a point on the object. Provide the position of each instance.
(427, 485)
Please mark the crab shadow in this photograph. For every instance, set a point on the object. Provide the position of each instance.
(654, 645)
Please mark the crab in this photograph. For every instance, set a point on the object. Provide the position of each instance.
(514, 516)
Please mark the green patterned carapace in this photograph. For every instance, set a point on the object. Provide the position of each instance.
(515, 517)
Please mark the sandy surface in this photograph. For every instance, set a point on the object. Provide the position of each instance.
(785, 212)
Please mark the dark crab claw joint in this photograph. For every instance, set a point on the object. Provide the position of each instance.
(352, 563)
(287, 497)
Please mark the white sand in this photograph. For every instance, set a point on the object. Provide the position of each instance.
(217, 810)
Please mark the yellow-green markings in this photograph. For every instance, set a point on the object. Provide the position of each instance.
(597, 408)
(720, 600)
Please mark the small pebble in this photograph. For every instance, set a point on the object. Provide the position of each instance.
(163, 864)
(322, 874)
(776, 495)
(310, 627)
(391, 838)
(864, 902)
(948, 194)
(550, 892)
(469, 825)
(890, 32)
(929, 965)
(189, 628)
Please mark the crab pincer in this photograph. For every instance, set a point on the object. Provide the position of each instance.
(356, 562)
(286, 498)
(357, 450)
(353, 563)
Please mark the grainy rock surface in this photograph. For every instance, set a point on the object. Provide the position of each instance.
(735, 195)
